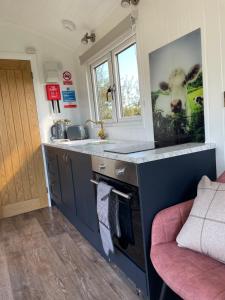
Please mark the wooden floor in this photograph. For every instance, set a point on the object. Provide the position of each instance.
(42, 256)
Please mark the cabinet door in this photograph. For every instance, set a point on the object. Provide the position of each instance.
(53, 174)
(85, 196)
(67, 184)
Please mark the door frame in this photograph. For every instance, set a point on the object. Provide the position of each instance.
(38, 94)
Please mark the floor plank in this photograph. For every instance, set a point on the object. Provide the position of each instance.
(25, 285)
(92, 279)
(42, 256)
(5, 283)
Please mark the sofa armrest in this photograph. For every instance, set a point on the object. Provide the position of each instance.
(221, 178)
(168, 222)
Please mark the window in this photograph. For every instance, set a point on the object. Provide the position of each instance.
(128, 82)
(116, 85)
(102, 84)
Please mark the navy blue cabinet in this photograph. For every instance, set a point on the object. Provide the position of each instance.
(61, 184)
(53, 175)
(84, 190)
(69, 175)
(68, 197)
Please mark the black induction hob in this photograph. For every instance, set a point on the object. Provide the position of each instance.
(131, 148)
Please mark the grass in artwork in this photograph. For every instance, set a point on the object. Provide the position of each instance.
(185, 124)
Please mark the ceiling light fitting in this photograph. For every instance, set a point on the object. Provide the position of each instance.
(30, 50)
(91, 37)
(127, 3)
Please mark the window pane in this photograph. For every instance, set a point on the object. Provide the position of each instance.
(129, 84)
(102, 85)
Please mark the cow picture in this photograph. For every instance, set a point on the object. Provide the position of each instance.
(177, 91)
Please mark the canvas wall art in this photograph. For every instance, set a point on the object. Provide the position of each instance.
(177, 91)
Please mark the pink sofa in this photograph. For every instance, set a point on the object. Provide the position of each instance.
(191, 275)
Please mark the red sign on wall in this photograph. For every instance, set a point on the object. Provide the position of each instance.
(67, 76)
(53, 92)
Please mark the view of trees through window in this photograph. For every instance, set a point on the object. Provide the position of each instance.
(126, 87)
(102, 85)
(129, 84)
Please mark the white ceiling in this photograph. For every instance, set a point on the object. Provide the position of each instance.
(45, 16)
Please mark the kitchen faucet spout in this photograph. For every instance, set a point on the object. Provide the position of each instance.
(101, 132)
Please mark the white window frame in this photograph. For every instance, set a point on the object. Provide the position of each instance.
(123, 46)
(109, 55)
(98, 62)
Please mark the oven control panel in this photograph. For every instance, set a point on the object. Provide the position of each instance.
(120, 170)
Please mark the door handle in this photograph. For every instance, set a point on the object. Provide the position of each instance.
(120, 171)
(102, 167)
(112, 91)
(107, 93)
(67, 158)
(126, 196)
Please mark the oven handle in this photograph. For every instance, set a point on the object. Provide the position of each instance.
(126, 196)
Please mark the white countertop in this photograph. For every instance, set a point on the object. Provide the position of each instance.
(137, 157)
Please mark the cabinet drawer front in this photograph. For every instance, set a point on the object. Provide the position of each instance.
(120, 170)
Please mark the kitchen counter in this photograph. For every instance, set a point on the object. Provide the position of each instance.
(137, 157)
(159, 179)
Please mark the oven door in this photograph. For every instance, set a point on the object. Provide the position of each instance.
(131, 241)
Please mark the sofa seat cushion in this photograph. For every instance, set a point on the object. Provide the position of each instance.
(193, 276)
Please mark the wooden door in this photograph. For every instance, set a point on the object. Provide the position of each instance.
(22, 181)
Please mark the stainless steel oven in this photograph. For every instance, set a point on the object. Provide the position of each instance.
(122, 177)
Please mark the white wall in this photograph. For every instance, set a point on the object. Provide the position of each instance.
(14, 40)
(160, 22)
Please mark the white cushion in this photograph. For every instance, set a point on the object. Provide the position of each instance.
(204, 230)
